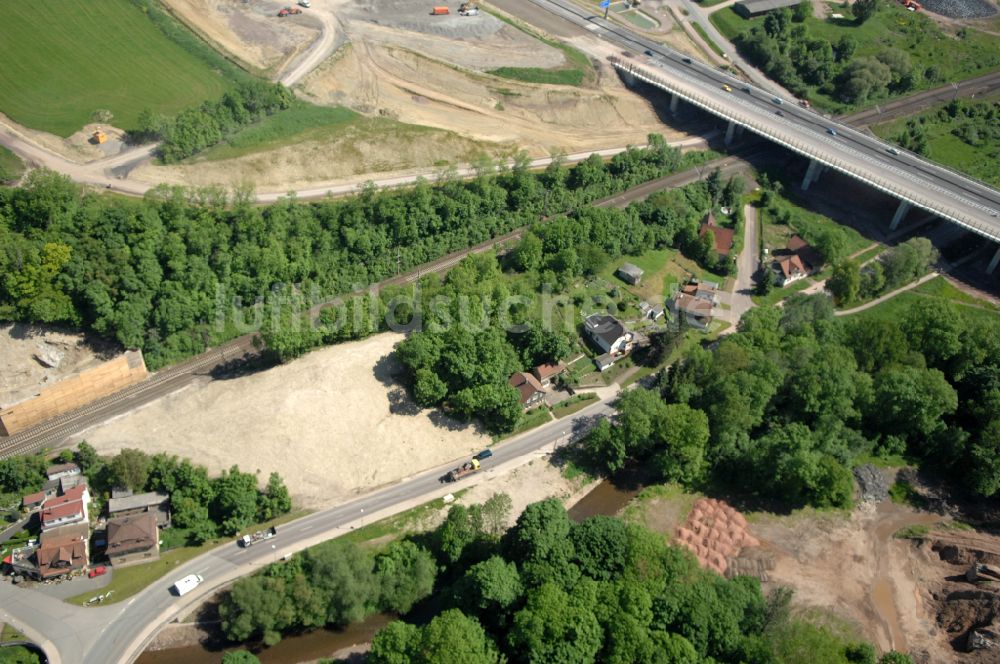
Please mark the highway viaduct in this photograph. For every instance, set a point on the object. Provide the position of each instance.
(828, 144)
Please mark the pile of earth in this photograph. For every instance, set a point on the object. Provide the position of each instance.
(715, 533)
(873, 487)
(960, 8)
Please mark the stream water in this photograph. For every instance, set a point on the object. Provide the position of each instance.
(605, 498)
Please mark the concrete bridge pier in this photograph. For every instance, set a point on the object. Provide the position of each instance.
(901, 211)
(730, 132)
(673, 102)
(812, 174)
(629, 77)
(993, 262)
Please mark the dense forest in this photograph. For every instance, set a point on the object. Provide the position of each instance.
(785, 407)
(546, 590)
(158, 274)
(202, 507)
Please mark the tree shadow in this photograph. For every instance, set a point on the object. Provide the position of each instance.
(400, 402)
(388, 370)
(238, 367)
(448, 422)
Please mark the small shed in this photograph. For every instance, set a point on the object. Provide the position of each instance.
(629, 273)
(751, 8)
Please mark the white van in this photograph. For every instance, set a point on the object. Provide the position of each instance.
(187, 584)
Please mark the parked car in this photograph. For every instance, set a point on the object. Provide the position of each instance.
(100, 570)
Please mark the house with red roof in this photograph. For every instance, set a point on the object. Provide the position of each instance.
(723, 236)
(69, 508)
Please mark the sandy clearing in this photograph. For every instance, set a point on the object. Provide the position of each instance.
(326, 422)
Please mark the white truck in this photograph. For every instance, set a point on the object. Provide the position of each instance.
(187, 584)
(259, 536)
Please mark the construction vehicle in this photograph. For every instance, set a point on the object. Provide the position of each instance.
(466, 468)
(305, 3)
(259, 536)
(911, 5)
(294, 10)
(99, 137)
(285, 11)
(804, 103)
(469, 9)
(187, 584)
(440, 11)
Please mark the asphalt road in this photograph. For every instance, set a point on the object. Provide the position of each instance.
(927, 185)
(127, 631)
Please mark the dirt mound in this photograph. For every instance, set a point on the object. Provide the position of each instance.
(965, 548)
(873, 487)
(715, 533)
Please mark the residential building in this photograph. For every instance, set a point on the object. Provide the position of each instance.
(33, 500)
(797, 261)
(546, 374)
(608, 334)
(631, 274)
(62, 470)
(154, 502)
(723, 236)
(695, 303)
(651, 311)
(529, 389)
(69, 508)
(133, 539)
(61, 550)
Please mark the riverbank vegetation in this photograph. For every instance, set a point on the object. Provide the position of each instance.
(546, 589)
(781, 410)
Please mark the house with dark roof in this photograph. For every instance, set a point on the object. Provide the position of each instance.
(723, 237)
(545, 374)
(133, 539)
(797, 261)
(529, 390)
(153, 502)
(608, 335)
(630, 274)
(60, 551)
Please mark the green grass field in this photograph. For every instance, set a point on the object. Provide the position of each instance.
(11, 166)
(708, 40)
(63, 60)
(301, 122)
(938, 289)
(576, 71)
(980, 161)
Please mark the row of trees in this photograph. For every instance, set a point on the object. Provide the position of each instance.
(850, 282)
(786, 52)
(796, 396)
(165, 274)
(196, 129)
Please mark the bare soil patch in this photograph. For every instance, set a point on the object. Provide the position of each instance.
(249, 31)
(34, 357)
(332, 423)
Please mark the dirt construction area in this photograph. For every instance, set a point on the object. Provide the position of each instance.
(857, 574)
(331, 423)
(391, 59)
(34, 357)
